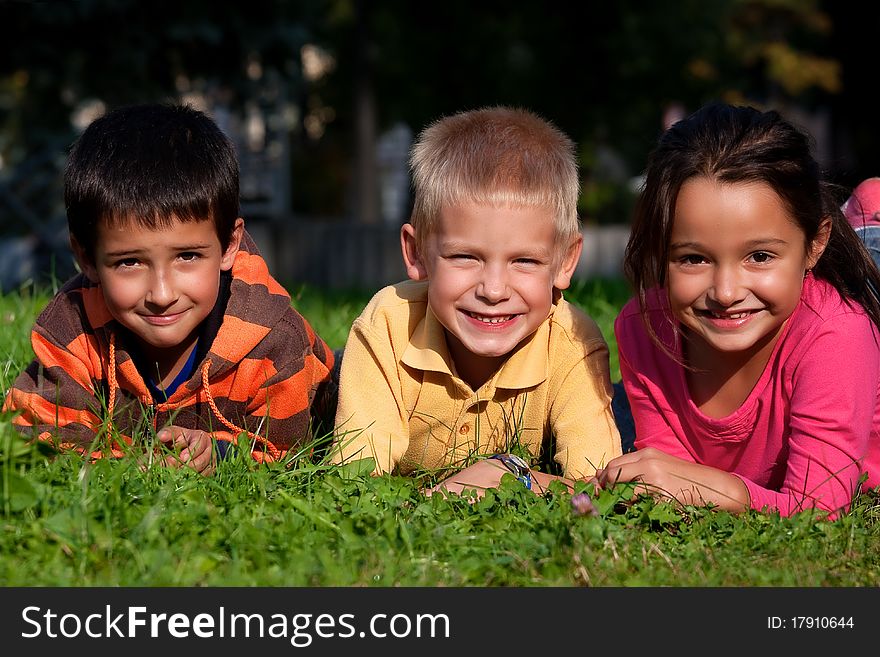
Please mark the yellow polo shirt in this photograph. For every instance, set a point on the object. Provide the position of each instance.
(401, 402)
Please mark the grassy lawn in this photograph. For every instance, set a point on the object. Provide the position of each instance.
(67, 522)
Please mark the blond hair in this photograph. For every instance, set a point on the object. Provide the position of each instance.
(499, 156)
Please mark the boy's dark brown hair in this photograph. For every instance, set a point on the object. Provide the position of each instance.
(151, 164)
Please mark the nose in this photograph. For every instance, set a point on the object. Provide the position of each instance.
(161, 289)
(726, 286)
(494, 285)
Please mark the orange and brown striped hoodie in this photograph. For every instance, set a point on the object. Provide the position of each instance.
(261, 370)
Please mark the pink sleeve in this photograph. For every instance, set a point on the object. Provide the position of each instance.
(833, 398)
(652, 428)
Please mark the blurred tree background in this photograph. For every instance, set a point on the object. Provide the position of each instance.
(316, 88)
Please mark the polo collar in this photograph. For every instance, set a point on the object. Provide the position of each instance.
(526, 367)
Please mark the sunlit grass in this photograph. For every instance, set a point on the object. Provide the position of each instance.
(306, 523)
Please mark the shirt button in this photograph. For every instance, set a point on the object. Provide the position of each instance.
(464, 429)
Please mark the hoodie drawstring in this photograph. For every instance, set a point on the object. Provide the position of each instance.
(273, 451)
(111, 381)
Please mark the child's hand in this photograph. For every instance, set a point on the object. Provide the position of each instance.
(487, 474)
(665, 476)
(195, 445)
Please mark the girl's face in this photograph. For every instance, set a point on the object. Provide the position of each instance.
(737, 262)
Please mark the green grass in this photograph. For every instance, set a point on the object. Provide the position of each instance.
(67, 522)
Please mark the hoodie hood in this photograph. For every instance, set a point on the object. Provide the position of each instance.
(255, 304)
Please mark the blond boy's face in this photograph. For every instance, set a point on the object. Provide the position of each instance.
(160, 284)
(491, 273)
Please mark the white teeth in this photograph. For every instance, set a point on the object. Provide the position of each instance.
(490, 320)
(730, 316)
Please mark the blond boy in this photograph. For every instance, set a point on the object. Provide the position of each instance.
(478, 353)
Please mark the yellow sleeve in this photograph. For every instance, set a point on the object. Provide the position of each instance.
(371, 420)
(581, 418)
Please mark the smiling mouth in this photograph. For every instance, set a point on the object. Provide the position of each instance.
(162, 319)
(489, 319)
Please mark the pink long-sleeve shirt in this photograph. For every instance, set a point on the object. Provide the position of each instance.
(809, 428)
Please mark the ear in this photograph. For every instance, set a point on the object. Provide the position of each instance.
(234, 245)
(817, 247)
(86, 265)
(570, 260)
(412, 258)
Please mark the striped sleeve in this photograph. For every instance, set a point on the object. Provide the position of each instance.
(292, 374)
(271, 391)
(56, 396)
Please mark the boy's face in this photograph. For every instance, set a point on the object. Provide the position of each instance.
(491, 273)
(160, 284)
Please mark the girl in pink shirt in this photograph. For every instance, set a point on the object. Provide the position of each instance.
(751, 353)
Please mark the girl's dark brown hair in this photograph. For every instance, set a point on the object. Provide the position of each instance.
(736, 144)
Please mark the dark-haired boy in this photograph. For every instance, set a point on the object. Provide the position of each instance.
(175, 325)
